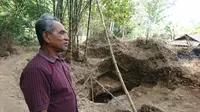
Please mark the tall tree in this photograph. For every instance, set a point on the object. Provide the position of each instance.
(114, 61)
(76, 9)
(170, 30)
(18, 17)
(59, 9)
(118, 12)
(155, 13)
(88, 30)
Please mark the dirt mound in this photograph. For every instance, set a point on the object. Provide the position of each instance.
(101, 40)
(149, 108)
(98, 47)
(138, 48)
(140, 63)
(142, 49)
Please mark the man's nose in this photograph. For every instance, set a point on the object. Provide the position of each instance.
(66, 37)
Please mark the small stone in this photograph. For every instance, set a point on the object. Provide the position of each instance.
(138, 94)
(149, 108)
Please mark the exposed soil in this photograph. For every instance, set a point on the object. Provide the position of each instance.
(156, 79)
(151, 68)
(11, 99)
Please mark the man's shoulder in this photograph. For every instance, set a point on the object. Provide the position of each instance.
(36, 62)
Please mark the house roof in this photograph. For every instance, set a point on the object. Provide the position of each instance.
(187, 40)
(196, 37)
(184, 43)
(191, 37)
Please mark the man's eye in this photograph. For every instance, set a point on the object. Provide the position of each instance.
(62, 32)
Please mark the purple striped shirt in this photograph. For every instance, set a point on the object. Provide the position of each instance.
(46, 84)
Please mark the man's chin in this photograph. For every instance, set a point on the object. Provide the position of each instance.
(61, 50)
(64, 49)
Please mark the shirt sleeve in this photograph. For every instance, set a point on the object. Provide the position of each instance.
(35, 85)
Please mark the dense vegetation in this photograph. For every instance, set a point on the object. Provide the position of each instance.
(124, 18)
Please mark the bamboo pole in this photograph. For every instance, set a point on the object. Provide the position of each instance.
(114, 61)
(92, 91)
(88, 31)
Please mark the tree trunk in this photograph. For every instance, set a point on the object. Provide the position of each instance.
(38, 6)
(54, 7)
(148, 31)
(57, 9)
(147, 35)
(70, 49)
(122, 33)
(111, 28)
(75, 14)
(61, 11)
(88, 31)
(77, 43)
(64, 11)
(114, 61)
(173, 33)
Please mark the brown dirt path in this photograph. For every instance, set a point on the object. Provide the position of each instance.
(11, 99)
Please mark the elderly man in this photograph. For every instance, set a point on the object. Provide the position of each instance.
(46, 82)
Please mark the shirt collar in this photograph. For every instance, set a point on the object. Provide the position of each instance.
(48, 57)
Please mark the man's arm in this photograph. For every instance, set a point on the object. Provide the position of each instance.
(35, 86)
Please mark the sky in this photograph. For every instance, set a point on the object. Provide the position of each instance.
(185, 12)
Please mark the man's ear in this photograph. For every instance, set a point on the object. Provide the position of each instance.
(46, 37)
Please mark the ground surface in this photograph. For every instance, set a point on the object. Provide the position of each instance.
(174, 94)
(11, 99)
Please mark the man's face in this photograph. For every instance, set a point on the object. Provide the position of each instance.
(58, 38)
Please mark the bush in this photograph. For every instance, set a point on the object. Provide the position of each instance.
(6, 43)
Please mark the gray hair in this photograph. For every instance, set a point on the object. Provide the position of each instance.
(44, 24)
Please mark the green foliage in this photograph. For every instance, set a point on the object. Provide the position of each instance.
(197, 29)
(120, 12)
(117, 10)
(17, 17)
(155, 9)
(131, 17)
(169, 30)
(194, 30)
(150, 17)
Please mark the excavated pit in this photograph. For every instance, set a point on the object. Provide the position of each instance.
(102, 98)
(110, 82)
(154, 75)
(140, 63)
